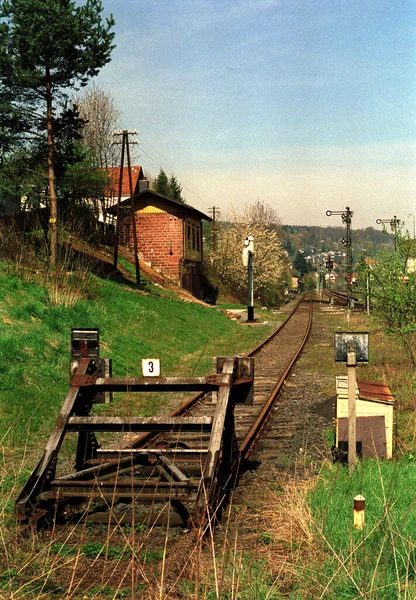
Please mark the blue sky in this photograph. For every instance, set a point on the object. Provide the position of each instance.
(306, 105)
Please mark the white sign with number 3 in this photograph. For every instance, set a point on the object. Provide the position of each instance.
(151, 367)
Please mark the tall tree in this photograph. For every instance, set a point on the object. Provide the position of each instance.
(259, 212)
(101, 115)
(176, 190)
(391, 279)
(168, 187)
(301, 264)
(269, 264)
(161, 184)
(47, 47)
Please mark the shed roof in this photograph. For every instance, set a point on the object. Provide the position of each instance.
(150, 194)
(374, 391)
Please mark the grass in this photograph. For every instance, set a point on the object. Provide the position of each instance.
(306, 548)
(34, 368)
(380, 561)
(35, 337)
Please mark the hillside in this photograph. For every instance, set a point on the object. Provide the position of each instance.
(304, 237)
(280, 534)
(35, 329)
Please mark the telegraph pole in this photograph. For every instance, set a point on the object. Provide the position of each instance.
(346, 216)
(125, 147)
(214, 211)
(413, 217)
(248, 253)
(394, 224)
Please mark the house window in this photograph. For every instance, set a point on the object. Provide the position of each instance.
(193, 237)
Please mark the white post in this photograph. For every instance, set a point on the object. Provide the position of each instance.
(359, 512)
(352, 409)
(248, 253)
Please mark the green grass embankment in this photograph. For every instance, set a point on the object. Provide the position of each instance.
(377, 562)
(133, 324)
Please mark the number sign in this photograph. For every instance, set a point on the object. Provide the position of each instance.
(151, 367)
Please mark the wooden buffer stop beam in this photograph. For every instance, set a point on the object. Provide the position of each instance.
(187, 461)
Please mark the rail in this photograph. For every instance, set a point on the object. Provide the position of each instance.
(192, 461)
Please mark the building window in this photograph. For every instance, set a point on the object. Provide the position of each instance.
(193, 237)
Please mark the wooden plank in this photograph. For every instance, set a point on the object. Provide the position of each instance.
(196, 424)
(158, 384)
(214, 446)
(182, 453)
(144, 497)
(135, 486)
(27, 497)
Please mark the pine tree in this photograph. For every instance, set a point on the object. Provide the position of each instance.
(161, 184)
(46, 47)
(168, 187)
(176, 190)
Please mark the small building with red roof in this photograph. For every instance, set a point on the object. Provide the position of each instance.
(139, 182)
(374, 414)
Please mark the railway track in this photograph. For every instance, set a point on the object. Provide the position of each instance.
(340, 298)
(161, 476)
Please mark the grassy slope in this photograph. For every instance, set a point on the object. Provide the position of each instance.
(35, 340)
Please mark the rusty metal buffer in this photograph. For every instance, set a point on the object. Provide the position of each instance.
(156, 467)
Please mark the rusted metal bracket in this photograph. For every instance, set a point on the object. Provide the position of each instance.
(85, 344)
(243, 379)
(198, 476)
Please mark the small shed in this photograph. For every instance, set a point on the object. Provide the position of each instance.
(374, 410)
(169, 237)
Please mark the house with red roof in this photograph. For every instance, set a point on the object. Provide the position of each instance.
(139, 183)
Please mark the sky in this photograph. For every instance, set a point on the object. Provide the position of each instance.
(305, 105)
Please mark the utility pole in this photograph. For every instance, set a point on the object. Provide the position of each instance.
(125, 147)
(413, 217)
(248, 253)
(394, 224)
(346, 216)
(214, 211)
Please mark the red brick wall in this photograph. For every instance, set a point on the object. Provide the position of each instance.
(160, 238)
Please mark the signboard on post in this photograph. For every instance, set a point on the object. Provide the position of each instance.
(351, 348)
(345, 340)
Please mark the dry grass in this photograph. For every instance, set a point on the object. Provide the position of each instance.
(258, 548)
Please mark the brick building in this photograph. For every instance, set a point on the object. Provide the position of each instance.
(169, 237)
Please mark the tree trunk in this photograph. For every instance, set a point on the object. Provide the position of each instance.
(53, 201)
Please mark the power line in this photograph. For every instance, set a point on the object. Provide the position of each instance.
(186, 184)
(158, 161)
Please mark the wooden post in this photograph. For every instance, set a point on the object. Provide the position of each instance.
(133, 216)
(359, 512)
(352, 410)
(120, 189)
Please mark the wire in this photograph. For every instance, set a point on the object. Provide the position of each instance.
(154, 161)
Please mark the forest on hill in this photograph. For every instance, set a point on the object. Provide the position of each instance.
(302, 237)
